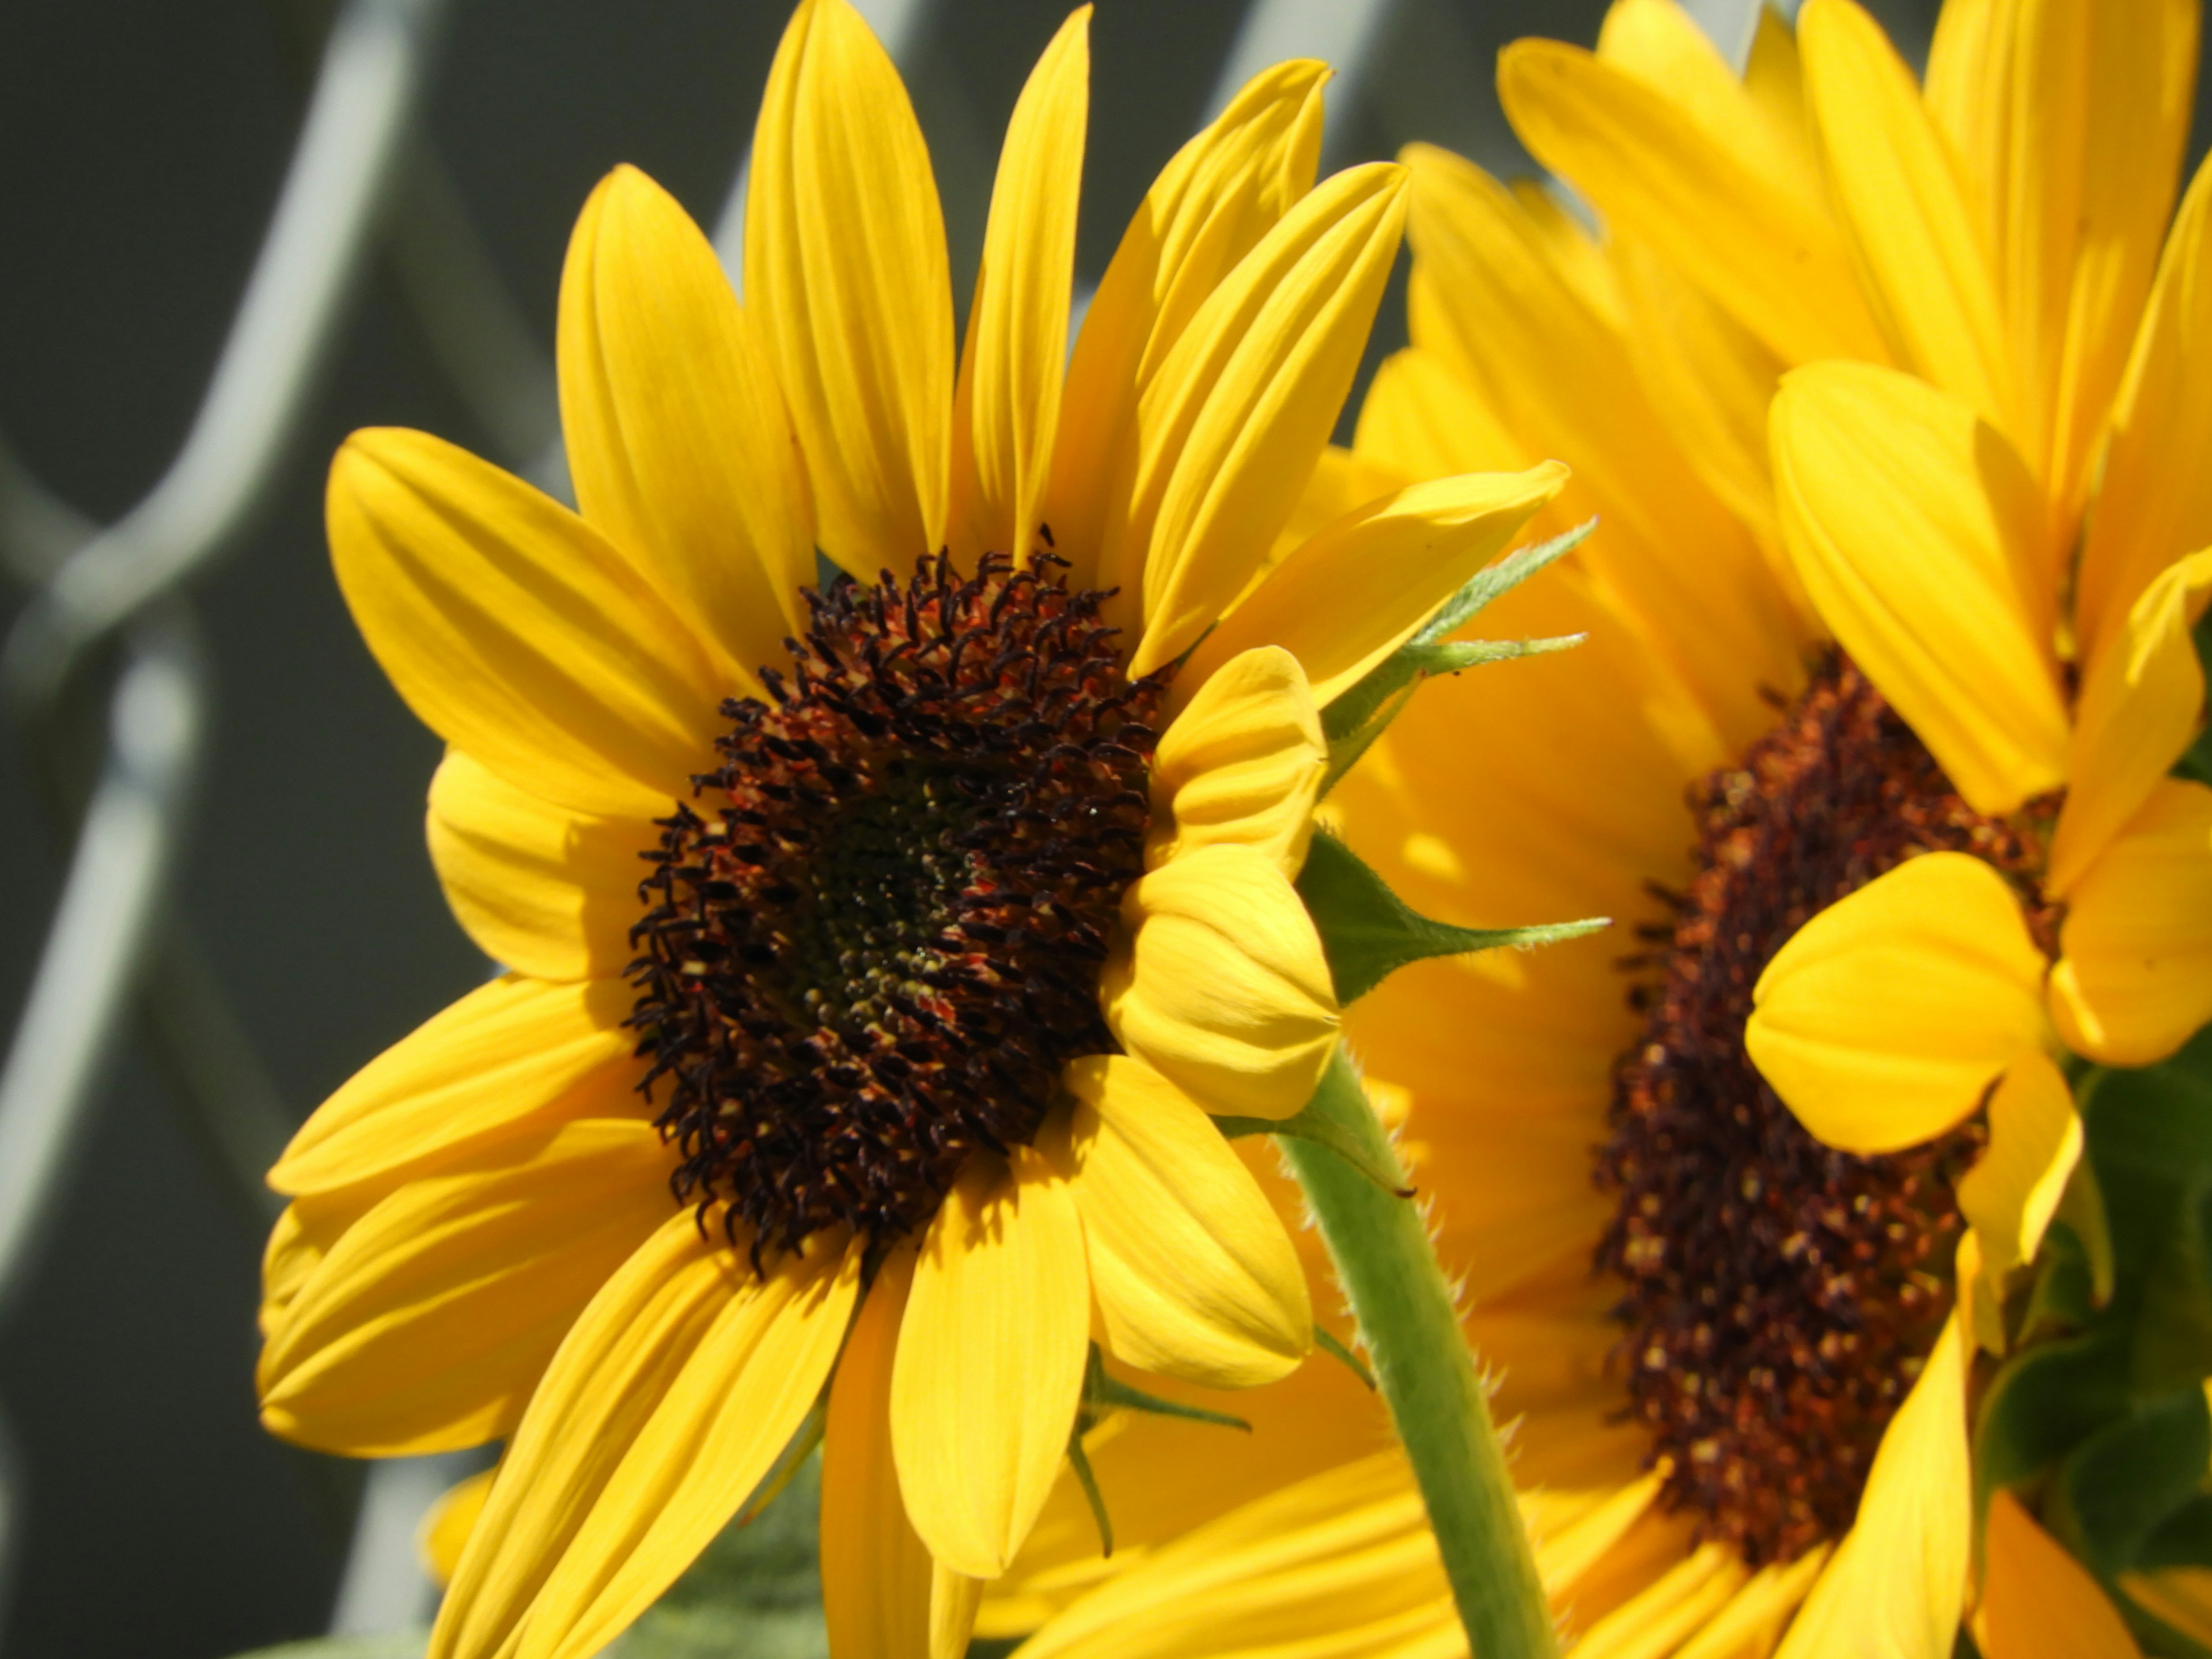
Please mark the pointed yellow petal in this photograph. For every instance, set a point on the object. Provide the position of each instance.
(1242, 764)
(1487, 294)
(514, 631)
(2037, 1602)
(1229, 432)
(2067, 119)
(547, 891)
(2134, 977)
(1007, 410)
(2009, 1196)
(846, 272)
(1680, 1601)
(1897, 1583)
(445, 1529)
(427, 1324)
(875, 1572)
(1921, 261)
(1751, 1622)
(1757, 244)
(511, 1056)
(1884, 1018)
(1358, 589)
(681, 452)
(1212, 203)
(1920, 538)
(990, 1360)
(2154, 503)
(2141, 704)
(668, 1402)
(1222, 986)
(1195, 1275)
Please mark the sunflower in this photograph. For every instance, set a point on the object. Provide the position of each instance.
(876, 947)
(1889, 405)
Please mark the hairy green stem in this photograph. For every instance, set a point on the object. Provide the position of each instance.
(1390, 1270)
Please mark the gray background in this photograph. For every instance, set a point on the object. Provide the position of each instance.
(141, 142)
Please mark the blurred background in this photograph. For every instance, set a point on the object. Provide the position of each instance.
(143, 147)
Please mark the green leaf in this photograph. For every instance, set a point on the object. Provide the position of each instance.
(2121, 1485)
(1364, 710)
(2043, 1401)
(1323, 1130)
(1367, 932)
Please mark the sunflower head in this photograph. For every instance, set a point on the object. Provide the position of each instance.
(873, 940)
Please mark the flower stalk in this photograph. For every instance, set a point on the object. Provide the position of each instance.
(1407, 1320)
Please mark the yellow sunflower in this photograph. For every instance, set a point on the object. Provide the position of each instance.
(876, 950)
(1911, 636)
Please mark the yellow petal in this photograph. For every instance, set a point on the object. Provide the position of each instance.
(1883, 1019)
(1210, 206)
(875, 1572)
(1242, 764)
(1229, 431)
(2140, 705)
(1195, 1275)
(2181, 1597)
(1487, 294)
(1920, 538)
(1222, 985)
(1921, 264)
(2068, 121)
(846, 272)
(681, 452)
(549, 892)
(1898, 1582)
(445, 1530)
(954, 1600)
(427, 1324)
(991, 1355)
(1007, 410)
(1764, 251)
(1751, 1621)
(2009, 1196)
(1358, 589)
(1422, 420)
(2037, 1602)
(1677, 1603)
(666, 1405)
(2154, 503)
(511, 1056)
(2134, 977)
(514, 631)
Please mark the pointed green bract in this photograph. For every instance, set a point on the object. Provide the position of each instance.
(1367, 932)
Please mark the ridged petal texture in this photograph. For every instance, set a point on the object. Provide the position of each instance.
(665, 1405)
(845, 271)
(1194, 1276)
(990, 1360)
(1223, 987)
(1242, 764)
(1921, 539)
(1883, 1018)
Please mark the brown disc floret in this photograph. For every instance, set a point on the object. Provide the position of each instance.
(875, 933)
(1780, 1295)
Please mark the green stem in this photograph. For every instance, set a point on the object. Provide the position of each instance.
(1389, 1269)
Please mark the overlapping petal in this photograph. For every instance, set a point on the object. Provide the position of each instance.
(514, 631)
(1222, 987)
(426, 1324)
(846, 274)
(990, 1362)
(1194, 1276)
(1242, 764)
(2037, 1602)
(2010, 1195)
(681, 452)
(668, 1401)
(1925, 546)
(1883, 1019)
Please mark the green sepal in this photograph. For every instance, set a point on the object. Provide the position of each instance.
(2064, 1298)
(2043, 1401)
(1327, 1342)
(1088, 1482)
(1367, 932)
(2119, 1488)
(1102, 1391)
(1360, 715)
(1325, 1131)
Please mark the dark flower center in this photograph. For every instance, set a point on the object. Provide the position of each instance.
(1781, 1296)
(876, 933)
